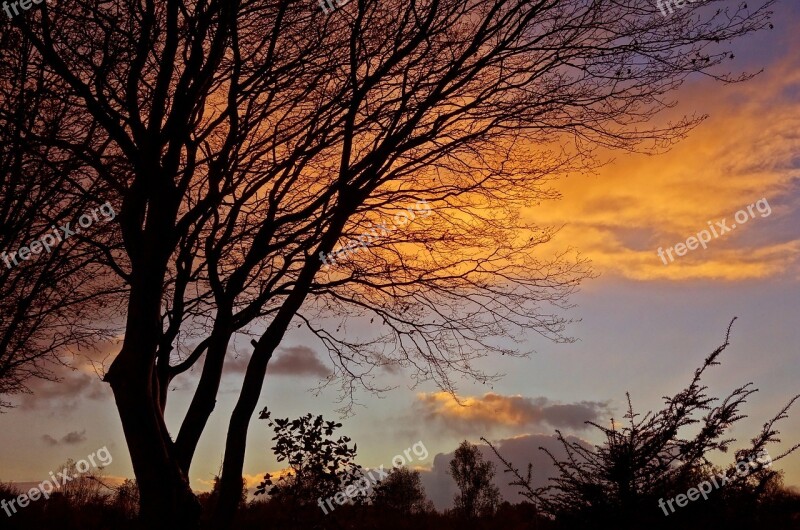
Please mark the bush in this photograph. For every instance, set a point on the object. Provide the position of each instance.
(622, 481)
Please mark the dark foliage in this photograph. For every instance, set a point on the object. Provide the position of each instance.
(319, 466)
(401, 493)
(652, 457)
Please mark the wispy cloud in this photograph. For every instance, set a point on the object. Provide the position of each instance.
(746, 150)
(71, 438)
(65, 395)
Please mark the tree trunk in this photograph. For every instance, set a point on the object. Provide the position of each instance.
(167, 501)
(236, 441)
(205, 397)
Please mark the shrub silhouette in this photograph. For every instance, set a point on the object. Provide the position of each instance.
(401, 493)
(208, 500)
(126, 499)
(649, 458)
(319, 467)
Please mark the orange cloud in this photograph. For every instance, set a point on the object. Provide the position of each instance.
(479, 414)
(745, 151)
(254, 480)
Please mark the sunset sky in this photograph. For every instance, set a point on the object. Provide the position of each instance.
(643, 326)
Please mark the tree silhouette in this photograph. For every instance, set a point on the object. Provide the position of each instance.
(477, 495)
(657, 456)
(53, 295)
(321, 471)
(401, 493)
(242, 140)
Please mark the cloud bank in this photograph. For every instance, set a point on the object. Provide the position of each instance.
(519, 450)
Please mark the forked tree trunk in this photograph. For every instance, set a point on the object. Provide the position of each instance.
(236, 441)
(166, 499)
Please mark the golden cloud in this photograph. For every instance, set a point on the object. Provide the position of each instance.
(478, 414)
(746, 151)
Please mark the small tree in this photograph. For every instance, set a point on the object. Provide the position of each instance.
(319, 466)
(477, 495)
(401, 492)
(649, 458)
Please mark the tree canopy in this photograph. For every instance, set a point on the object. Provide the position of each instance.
(239, 141)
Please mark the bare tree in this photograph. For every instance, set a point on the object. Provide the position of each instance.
(52, 299)
(245, 140)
